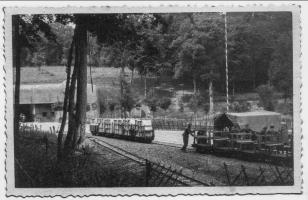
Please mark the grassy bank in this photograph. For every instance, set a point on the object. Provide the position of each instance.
(107, 81)
(36, 165)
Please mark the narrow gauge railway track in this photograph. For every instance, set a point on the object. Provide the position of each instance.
(249, 156)
(176, 176)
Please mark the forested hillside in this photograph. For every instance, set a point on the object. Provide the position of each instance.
(179, 56)
(190, 47)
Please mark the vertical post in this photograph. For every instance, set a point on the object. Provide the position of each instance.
(46, 145)
(33, 104)
(147, 172)
(194, 137)
(145, 82)
(245, 175)
(226, 54)
(211, 108)
(227, 173)
(122, 87)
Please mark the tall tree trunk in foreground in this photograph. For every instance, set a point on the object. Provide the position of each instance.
(65, 102)
(16, 64)
(81, 100)
(76, 125)
(71, 113)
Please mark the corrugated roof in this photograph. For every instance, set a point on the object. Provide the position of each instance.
(49, 93)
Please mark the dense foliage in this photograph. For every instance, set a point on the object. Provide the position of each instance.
(185, 46)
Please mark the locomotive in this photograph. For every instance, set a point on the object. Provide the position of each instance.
(140, 130)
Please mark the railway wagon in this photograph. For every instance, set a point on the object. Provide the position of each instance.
(129, 129)
(251, 143)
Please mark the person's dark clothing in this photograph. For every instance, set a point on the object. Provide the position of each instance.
(185, 142)
(185, 138)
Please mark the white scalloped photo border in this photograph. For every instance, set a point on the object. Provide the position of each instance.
(151, 191)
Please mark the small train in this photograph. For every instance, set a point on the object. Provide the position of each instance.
(242, 142)
(266, 146)
(140, 130)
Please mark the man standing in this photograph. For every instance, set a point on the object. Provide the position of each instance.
(186, 134)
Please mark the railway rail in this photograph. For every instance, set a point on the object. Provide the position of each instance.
(162, 171)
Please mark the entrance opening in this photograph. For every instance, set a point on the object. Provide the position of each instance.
(26, 110)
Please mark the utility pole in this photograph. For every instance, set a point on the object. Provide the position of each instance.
(227, 70)
(122, 88)
(145, 82)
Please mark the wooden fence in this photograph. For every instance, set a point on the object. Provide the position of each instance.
(266, 175)
(180, 124)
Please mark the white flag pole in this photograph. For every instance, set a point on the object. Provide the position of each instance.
(226, 58)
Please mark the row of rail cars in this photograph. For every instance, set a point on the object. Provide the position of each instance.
(220, 139)
(129, 129)
(243, 145)
(274, 145)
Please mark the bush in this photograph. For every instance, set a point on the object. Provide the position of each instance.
(186, 98)
(240, 106)
(152, 103)
(164, 103)
(102, 107)
(193, 104)
(198, 101)
(127, 99)
(284, 108)
(206, 107)
(266, 95)
(181, 105)
(112, 105)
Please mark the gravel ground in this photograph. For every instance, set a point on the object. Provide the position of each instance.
(207, 168)
(126, 171)
(172, 137)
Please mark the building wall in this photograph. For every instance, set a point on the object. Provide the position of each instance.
(38, 102)
(45, 113)
(93, 110)
(92, 113)
(39, 112)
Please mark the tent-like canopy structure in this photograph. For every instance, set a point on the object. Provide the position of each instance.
(256, 120)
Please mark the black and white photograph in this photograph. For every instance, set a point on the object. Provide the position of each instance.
(159, 99)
